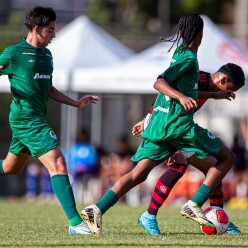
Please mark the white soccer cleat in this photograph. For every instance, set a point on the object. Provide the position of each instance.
(193, 211)
(80, 229)
(93, 217)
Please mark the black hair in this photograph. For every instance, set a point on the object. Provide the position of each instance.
(39, 16)
(234, 73)
(189, 25)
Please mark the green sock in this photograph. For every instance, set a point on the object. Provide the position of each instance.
(107, 201)
(202, 194)
(63, 191)
(1, 168)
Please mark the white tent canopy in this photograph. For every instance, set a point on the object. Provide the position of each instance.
(137, 74)
(83, 44)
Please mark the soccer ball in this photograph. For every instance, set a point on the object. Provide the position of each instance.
(219, 218)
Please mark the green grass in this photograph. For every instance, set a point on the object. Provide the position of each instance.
(26, 224)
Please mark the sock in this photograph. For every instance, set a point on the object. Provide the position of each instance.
(107, 201)
(1, 168)
(63, 191)
(202, 194)
(149, 216)
(217, 197)
(164, 185)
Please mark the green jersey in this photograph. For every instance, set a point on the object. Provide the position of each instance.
(172, 128)
(169, 119)
(30, 74)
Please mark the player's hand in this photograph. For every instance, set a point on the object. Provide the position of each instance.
(138, 128)
(225, 94)
(188, 103)
(85, 100)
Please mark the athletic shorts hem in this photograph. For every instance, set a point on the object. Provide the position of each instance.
(45, 151)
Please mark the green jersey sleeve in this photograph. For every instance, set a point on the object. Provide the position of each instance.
(6, 62)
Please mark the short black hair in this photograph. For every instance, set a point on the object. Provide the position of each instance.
(39, 16)
(234, 73)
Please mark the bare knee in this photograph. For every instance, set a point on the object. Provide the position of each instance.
(59, 166)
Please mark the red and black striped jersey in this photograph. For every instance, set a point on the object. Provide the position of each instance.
(203, 85)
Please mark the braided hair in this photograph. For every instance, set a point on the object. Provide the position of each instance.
(189, 25)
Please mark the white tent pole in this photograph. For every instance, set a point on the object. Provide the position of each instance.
(96, 122)
(69, 118)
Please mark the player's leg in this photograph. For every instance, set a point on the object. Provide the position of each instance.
(177, 167)
(55, 163)
(217, 196)
(16, 158)
(148, 156)
(93, 214)
(13, 164)
(215, 174)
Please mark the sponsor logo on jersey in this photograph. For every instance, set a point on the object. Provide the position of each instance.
(41, 76)
(159, 108)
(31, 61)
(210, 135)
(29, 53)
(53, 135)
(196, 86)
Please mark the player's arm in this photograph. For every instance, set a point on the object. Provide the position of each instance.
(58, 96)
(138, 128)
(163, 86)
(5, 63)
(224, 94)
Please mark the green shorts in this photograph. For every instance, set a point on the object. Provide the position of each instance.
(197, 140)
(34, 137)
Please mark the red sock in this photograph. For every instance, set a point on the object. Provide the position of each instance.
(217, 197)
(164, 185)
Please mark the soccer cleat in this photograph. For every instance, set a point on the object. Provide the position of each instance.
(149, 224)
(93, 217)
(79, 229)
(193, 211)
(232, 229)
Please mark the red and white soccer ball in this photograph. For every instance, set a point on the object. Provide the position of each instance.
(219, 218)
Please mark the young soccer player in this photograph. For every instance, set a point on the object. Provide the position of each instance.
(219, 85)
(29, 65)
(172, 128)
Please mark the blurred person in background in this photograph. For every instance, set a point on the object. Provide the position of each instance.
(239, 180)
(29, 66)
(82, 161)
(118, 163)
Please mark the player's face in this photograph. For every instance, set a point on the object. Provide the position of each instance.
(227, 84)
(46, 34)
(231, 86)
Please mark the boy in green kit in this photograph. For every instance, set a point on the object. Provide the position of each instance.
(29, 66)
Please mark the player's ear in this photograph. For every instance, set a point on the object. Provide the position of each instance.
(36, 30)
(224, 79)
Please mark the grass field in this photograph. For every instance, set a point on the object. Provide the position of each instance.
(26, 224)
